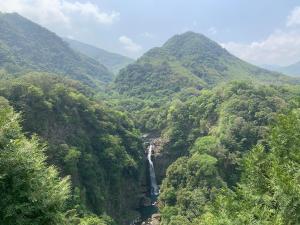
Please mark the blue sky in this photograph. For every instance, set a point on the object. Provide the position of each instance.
(259, 31)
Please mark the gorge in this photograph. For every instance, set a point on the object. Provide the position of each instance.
(221, 145)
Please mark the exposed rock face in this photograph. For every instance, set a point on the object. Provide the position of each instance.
(154, 220)
(161, 158)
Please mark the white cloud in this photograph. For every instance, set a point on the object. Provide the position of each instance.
(49, 12)
(280, 48)
(130, 45)
(89, 10)
(294, 17)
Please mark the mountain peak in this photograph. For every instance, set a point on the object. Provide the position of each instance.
(188, 35)
(187, 60)
(191, 44)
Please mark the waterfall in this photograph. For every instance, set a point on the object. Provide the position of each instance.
(154, 187)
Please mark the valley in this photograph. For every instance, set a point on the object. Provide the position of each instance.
(187, 134)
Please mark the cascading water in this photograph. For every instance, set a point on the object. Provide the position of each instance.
(148, 210)
(154, 187)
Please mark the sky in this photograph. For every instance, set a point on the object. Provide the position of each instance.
(263, 32)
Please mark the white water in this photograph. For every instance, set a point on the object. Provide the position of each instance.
(154, 187)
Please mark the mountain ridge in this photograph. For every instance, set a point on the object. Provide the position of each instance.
(27, 46)
(184, 61)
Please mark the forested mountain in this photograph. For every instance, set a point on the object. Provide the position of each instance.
(26, 46)
(114, 62)
(213, 133)
(187, 60)
(195, 194)
(98, 147)
(223, 134)
(27, 183)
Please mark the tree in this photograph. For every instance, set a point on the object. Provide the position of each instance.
(269, 190)
(31, 192)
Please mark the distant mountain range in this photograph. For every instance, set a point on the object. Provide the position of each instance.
(26, 46)
(114, 62)
(291, 70)
(184, 61)
(189, 60)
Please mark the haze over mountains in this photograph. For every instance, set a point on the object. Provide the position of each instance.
(290, 70)
(114, 62)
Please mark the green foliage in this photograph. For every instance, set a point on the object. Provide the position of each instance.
(99, 147)
(188, 60)
(93, 137)
(269, 191)
(94, 220)
(26, 46)
(31, 192)
(224, 122)
(216, 130)
(189, 185)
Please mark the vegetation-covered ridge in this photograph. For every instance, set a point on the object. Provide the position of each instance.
(184, 61)
(26, 46)
(215, 133)
(31, 191)
(72, 153)
(98, 147)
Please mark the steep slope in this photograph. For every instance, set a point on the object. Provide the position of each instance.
(114, 62)
(186, 60)
(25, 45)
(97, 146)
(213, 132)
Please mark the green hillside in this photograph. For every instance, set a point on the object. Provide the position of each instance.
(26, 46)
(98, 147)
(218, 137)
(214, 134)
(114, 62)
(187, 60)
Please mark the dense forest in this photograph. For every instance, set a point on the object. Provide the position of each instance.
(74, 136)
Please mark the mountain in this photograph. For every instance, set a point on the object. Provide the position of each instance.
(26, 46)
(186, 60)
(271, 67)
(114, 62)
(292, 70)
(97, 146)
